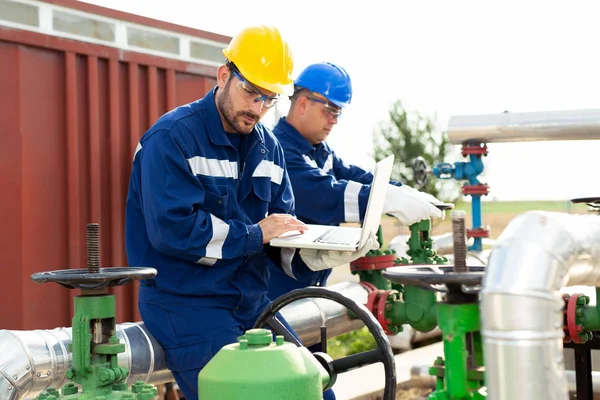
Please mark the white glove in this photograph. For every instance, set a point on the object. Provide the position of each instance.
(410, 205)
(318, 260)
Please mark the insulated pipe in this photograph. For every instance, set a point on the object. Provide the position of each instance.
(527, 126)
(32, 361)
(36, 360)
(420, 377)
(521, 307)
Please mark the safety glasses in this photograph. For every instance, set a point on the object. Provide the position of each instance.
(335, 111)
(253, 94)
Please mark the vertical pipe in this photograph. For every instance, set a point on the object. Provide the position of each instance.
(455, 352)
(521, 307)
(583, 372)
(476, 213)
(456, 321)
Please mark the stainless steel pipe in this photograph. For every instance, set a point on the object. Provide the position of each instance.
(525, 126)
(521, 306)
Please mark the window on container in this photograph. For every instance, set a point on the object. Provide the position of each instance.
(83, 26)
(152, 40)
(19, 13)
(208, 52)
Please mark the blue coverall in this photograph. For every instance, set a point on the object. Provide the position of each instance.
(192, 213)
(327, 191)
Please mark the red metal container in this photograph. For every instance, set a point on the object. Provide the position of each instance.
(72, 109)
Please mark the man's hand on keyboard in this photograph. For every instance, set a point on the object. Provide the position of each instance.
(318, 260)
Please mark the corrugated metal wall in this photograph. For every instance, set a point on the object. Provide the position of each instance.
(71, 114)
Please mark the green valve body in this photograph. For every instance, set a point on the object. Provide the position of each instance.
(258, 368)
(95, 373)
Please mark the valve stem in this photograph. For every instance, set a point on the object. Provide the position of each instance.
(93, 248)
(459, 242)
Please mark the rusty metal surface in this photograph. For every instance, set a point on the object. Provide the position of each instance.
(71, 114)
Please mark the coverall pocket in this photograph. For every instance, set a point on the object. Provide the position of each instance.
(262, 188)
(216, 204)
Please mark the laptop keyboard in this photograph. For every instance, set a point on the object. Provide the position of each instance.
(340, 235)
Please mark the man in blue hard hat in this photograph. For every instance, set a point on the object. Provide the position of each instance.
(327, 190)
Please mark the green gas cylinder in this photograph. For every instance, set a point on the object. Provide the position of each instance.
(257, 368)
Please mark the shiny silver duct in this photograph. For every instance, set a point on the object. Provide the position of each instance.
(528, 126)
(35, 360)
(521, 307)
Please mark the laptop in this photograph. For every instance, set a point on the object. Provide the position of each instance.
(345, 238)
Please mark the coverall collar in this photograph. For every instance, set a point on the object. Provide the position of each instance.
(295, 137)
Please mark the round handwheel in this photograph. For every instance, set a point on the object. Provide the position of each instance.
(383, 353)
(437, 278)
(586, 200)
(419, 168)
(593, 202)
(84, 279)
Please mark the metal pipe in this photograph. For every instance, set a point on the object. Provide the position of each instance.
(306, 316)
(527, 126)
(36, 360)
(521, 307)
(33, 361)
(420, 377)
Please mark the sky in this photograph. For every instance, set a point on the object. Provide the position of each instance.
(440, 59)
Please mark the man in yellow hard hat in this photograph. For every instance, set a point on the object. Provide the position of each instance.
(208, 191)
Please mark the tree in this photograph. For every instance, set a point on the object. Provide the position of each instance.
(408, 137)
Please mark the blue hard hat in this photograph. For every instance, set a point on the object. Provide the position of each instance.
(327, 79)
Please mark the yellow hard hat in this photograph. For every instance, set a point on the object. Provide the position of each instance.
(263, 57)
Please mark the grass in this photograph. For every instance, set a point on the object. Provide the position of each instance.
(523, 206)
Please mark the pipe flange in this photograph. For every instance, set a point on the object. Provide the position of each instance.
(382, 301)
(481, 190)
(369, 286)
(474, 149)
(373, 263)
(372, 301)
(574, 318)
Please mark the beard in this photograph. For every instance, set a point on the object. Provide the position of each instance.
(241, 121)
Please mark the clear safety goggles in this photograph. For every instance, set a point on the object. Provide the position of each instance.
(335, 111)
(253, 94)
